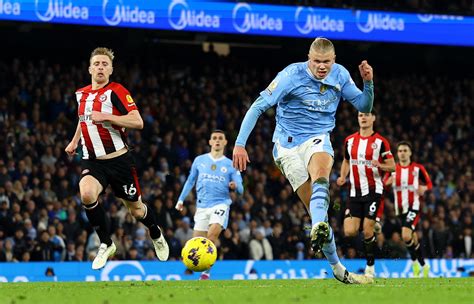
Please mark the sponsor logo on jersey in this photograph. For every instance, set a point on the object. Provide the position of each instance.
(129, 99)
(272, 87)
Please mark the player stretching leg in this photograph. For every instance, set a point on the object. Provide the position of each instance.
(307, 95)
(105, 109)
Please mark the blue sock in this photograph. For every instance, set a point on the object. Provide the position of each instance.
(329, 249)
(319, 203)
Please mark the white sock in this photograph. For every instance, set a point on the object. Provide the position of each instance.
(338, 269)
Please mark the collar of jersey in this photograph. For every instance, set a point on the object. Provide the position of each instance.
(328, 80)
(215, 159)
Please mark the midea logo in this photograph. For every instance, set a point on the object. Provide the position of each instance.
(253, 21)
(181, 16)
(60, 9)
(125, 13)
(378, 21)
(307, 21)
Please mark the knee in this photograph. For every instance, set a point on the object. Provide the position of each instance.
(407, 237)
(350, 231)
(88, 196)
(368, 233)
(137, 212)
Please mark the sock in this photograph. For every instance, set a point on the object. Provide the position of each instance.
(329, 249)
(208, 272)
(319, 203)
(369, 246)
(338, 269)
(419, 255)
(150, 222)
(96, 214)
(411, 249)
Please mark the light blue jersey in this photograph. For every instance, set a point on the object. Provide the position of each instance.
(306, 106)
(213, 177)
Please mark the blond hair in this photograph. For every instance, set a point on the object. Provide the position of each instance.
(103, 51)
(322, 45)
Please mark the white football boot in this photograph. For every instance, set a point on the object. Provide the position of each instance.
(103, 255)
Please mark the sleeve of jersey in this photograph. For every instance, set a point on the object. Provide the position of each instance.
(250, 120)
(425, 178)
(362, 101)
(385, 149)
(189, 184)
(122, 100)
(346, 152)
(237, 178)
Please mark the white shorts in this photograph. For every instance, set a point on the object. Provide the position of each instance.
(293, 163)
(204, 217)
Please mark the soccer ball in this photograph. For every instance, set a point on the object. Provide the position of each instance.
(199, 254)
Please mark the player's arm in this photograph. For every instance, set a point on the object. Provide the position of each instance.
(387, 165)
(388, 162)
(362, 100)
(345, 167)
(72, 146)
(237, 183)
(277, 89)
(132, 120)
(426, 180)
(188, 186)
(388, 180)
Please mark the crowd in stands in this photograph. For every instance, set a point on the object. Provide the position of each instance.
(41, 217)
(461, 7)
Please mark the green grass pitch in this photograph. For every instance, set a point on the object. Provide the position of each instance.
(399, 291)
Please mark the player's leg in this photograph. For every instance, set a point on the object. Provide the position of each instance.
(410, 239)
(371, 206)
(93, 182)
(124, 182)
(145, 215)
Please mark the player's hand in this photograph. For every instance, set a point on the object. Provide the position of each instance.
(98, 117)
(179, 206)
(366, 71)
(240, 158)
(71, 148)
(421, 190)
(375, 163)
(340, 181)
(232, 186)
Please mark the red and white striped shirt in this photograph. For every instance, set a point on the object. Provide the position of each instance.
(360, 151)
(100, 139)
(406, 181)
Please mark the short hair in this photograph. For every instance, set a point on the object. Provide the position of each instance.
(404, 143)
(322, 45)
(103, 51)
(217, 131)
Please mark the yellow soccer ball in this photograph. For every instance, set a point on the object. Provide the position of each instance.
(199, 254)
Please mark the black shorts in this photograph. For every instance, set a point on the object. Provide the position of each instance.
(364, 206)
(410, 219)
(119, 172)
